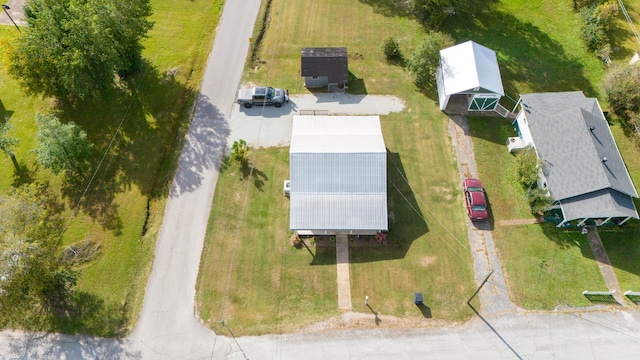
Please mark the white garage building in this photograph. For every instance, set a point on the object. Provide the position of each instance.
(338, 169)
(468, 79)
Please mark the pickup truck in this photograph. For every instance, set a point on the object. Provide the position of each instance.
(261, 95)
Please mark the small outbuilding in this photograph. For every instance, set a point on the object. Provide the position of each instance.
(338, 169)
(327, 66)
(468, 79)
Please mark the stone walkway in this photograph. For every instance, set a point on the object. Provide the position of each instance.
(536, 220)
(344, 280)
(604, 264)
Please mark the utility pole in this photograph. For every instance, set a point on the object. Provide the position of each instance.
(6, 7)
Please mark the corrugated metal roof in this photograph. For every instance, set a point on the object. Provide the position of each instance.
(338, 174)
(470, 65)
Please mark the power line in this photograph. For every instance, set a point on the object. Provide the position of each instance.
(626, 15)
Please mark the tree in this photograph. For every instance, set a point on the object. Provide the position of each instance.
(62, 147)
(240, 150)
(622, 87)
(32, 273)
(426, 58)
(7, 142)
(432, 13)
(72, 49)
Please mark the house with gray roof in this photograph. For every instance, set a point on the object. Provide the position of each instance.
(581, 165)
(338, 169)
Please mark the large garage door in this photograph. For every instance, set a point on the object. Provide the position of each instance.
(484, 102)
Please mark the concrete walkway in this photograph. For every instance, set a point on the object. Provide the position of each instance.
(494, 297)
(344, 280)
(604, 264)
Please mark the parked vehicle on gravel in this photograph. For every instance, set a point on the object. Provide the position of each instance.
(261, 95)
(475, 200)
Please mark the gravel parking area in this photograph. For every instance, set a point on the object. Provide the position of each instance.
(268, 126)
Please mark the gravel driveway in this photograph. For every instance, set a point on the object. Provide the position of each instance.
(267, 126)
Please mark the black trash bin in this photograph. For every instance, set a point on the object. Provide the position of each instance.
(417, 298)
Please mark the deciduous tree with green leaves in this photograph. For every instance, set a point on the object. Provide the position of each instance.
(62, 147)
(432, 13)
(426, 58)
(73, 49)
(33, 275)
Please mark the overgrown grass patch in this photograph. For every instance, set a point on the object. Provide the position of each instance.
(122, 209)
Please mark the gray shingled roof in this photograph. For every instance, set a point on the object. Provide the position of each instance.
(338, 179)
(578, 152)
(599, 204)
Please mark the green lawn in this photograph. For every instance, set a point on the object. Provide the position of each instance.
(428, 248)
(123, 208)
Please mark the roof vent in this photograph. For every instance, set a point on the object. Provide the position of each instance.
(604, 159)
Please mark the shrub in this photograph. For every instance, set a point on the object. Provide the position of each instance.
(426, 58)
(622, 88)
(391, 48)
(539, 200)
(528, 165)
(598, 20)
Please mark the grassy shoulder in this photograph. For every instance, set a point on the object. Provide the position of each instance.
(122, 209)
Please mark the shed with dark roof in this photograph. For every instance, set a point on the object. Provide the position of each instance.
(581, 165)
(327, 66)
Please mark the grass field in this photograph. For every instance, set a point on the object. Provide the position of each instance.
(428, 249)
(123, 208)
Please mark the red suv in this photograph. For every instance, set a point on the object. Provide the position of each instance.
(475, 199)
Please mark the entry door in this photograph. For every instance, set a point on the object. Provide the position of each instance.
(484, 102)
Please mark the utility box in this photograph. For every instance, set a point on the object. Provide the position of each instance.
(417, 298)
(286, 188)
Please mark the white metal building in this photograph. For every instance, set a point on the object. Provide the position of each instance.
(469, 74)
(338, 168)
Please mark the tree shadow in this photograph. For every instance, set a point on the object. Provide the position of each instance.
(389, 8)
(139, 129)
(22, 175)
(525, 53)
(90, 315)
(5, 114)
(57, 346)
